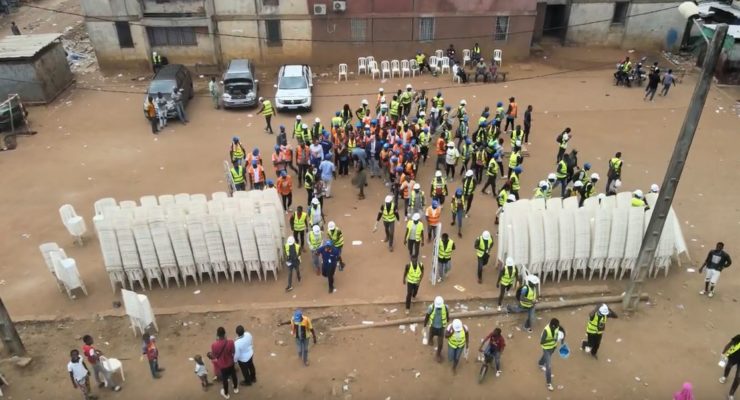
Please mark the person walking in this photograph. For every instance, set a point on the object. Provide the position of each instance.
(444, 256)
(439, 188)
(244, 355)
(314, 243)
(213, 90)
(93, 357)
(176, 97)
(302, 329)
(457, 206)
(292, 261)
(652, 86)
(615, 170)
(527, 123)
(552, 333)
(436, 320)
(150, 350)
(416, 201)
(79, 375)
(468, 186)
(492, 346)
(561, 174)
(433, 214)
(14, 28)
(507, 276)
(668, 81)
(732, 353)
(315, 215)
(595, 328)
(716, 261)
(236, 151)
(562, 141)
(527, 297)
(492, 172)
(256, 176)
(328, 172)
(483, 245)
(298, 224)
(414, 235)
(412, 275)
(222, 351)
(284, 186)
(511, 114)
(329, 259)
(309, 183)
(389, 214)
(237, 176)
(337, 240)
(266, 110)
(458, 342)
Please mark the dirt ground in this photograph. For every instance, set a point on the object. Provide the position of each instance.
(94, 143)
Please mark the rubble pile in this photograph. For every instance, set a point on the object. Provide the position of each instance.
(79, 49)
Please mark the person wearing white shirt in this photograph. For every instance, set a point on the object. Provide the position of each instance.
(79, 374)
(243, 355)
(451, 157)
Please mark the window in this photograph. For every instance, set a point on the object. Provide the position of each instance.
(270, 2)
(502, 28)
(426, 28)
(620, 12)
(124, 34)
(359, 29)
(161, 36)
(274, 36)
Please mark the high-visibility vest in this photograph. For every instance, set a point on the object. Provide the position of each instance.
(308, 180)
(492, 169)
(562, 170)
(551, 338)
(438, 101)
(500, 113)
(419, 231)
(420, 59)
(503, 195)
(236, 152)
(416, 199)
(156, 58)
(441, 147)
(548, 191)
(476, 49)
(616, 165)
(638, 202)
(336, 238)
(514, 178)
(445, 251)
(732, 350)
(237, 175)
(433, 215)
(299, 221)
(443, 314)
(516, 136)
(456, 340)
(528, 300)
(588, 190)
(480, 157)
(457, 204)
(514, 159)
(469, 186)
(439, 186)
(267, 108)
(423, 139)
(314, 240)
(394, 108)
(507, 278)
(461, 112)
(413, 275)
(336, 121)
(361, 112)
(596, 324)
(406, 98)
(297, 248)
(483, 246)
(351, 144)
(539, 194)
(389, 212)
(467, 151)
(563, 143)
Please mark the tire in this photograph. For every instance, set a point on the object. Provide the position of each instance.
(482, 373)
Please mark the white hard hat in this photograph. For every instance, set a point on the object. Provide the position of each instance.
(595, 176)
(509, 261)
(298, 117)
(316, 230)
(551, 177)
(332, 225)
(604, 310)
(486, 235)
(469, 172)
(416, 217)
(511, 197)
(315, 201)
(317, 120)
(457, 325)
(450, 144)
(439, 302)
(417, 186)
(577, 184)
(463, 102)
(408, 86)
(261, 99)
(381, 90)
(617, 183)
(291, 240)
(388, 198)
(565, 136)
(542, 185)
(533, 279)
(304, 126)
(438, 174)
(364, 101)
(637, 193)
(421, 112)
(654, 188)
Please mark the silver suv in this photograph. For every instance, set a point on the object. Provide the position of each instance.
(294, 87)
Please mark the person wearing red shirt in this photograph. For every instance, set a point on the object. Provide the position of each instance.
(93, 357)
(492, 347)
(222, 351)
(149, 349)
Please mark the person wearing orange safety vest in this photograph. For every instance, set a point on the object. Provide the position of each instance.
(433, 214)
(285, 189)
(511, 113)
(256, 176)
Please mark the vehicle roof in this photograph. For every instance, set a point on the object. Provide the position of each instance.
(168, 71)
(293, 70)
(238, 65)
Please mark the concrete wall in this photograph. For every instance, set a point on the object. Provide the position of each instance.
(38, 80)
(52, 70)
(110, 55)
(106, 8)
(174, 6)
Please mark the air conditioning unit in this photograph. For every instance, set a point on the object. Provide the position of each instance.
(319, 9)
(339, 6)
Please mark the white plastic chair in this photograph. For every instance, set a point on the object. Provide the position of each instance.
(342, 72)
(466, 57)
(166, 199)
(66, 271)
(128, 204)
(219, 195)
(361, 65)
(148, 201)
(405, 68)
(433, 63)
(439, 53)
(74, 223)
(199, 198)
(182, 198)
(456, 78)
(498, 57)
(104, 203)
(414, 67)
(373, 65)
(445, 61)
(385, 68)
(395, 68)
(113, 365)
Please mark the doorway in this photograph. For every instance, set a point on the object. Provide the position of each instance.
(556, 23)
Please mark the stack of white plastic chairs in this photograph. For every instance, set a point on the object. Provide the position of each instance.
(63, 269)
(557, 237)
(147, 252)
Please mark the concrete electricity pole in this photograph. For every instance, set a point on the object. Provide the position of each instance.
(8, 334)
(675, 168)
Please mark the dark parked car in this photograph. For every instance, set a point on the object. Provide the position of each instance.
(240, 87)
(166, 79)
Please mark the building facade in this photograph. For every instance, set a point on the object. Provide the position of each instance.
(271, 32)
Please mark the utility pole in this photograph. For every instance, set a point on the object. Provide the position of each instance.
(673, 174)
(8, 334)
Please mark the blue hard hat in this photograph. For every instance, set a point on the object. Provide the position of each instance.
(406, 146)
(499, 104)
(396, 152)
(468, 141)
(425, 129)
(413, 142)
(282, 127)
(325, 133)
(254, 163)
(448, 108)
(435, 203)
(587, 166)
(269, 182)
(358, 124)
(277, 147)
(374, 121)
(328, 242)
(255, 151)
(486, 114)
(337, 113)
(518, 169)
(439, 93)
(386, 146)
(394, 159)
(458, 192)
(235, 139)
(283, 173)
(399, 169)
(298, 314)
(414, 119)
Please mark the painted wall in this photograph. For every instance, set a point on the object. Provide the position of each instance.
(174, 6)
(110, 55)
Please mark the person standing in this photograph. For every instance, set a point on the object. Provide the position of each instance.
(716, 261)
(652, 86)
(237, 176)
(457, 206)
(451, 158)
(213, 90)
(266, 110)
(436, 320)
(527, 297)
(14, 28)
(244, 355)
(732, 352)
(412, 275)
(458, 341)
(468, 188)
(511, 114)
(527, 124)
(79, 375)
(668, 81)
(414, 235)
(150, 112)
(562, 141)
(389, 214)
(298, 224)
(615, 169)
(328, 171)
(439, 188)
(329, 259)
(561, 174)
(595, 328)
(549, 341)
(93, 357)
(236, 151)
(176, 97)
(483, 245)
(314, 243)
(285, 188)
(150, 350)
(492, 346)
(292, 261)
(337, 240)
(161, 103)
(256, 176)
(222, 351)
(309, 182)
(433, 214)
(302, 330)
(444, 256)
(507, 276)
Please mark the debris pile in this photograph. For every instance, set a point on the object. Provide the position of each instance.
(79, 49)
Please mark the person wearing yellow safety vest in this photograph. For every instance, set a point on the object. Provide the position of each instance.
(157, 62)
(436, 320)
(414, 235)
(412, 274)
(468, 188)
(457, 206)
(551, 335)
(292, 261)
(314, 243)
(363, 111)
(452, 156)
(502, 199)
(732, 353)
(458, 342)
(508, 275)
(336, 120)
(444, 256)
(424, 139)
(389, 213)
(483, 245)
(416, 200)
(527, 296)
(475, 54)
(299, 223)
(492, 170)
(439, 187)
(298, 128)
(541, 191)
(406, 98)
(561, 175)
(337, 240)
(515, 158)
(514, 181)
(517, 135)
(236, 151)
(395, 109)
(615, 169)
(421, 61)
(638, 200)
(309, 182)
(267, 111)
(595, 328)
(237, 176)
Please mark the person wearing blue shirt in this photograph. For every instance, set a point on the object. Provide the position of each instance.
(327, 171)
(329, 258)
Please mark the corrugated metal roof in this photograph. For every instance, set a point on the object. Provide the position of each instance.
(25, 46)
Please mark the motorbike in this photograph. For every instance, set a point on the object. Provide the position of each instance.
(636, 74)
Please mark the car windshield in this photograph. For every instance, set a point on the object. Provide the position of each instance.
(293, 82)
(163, 86)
